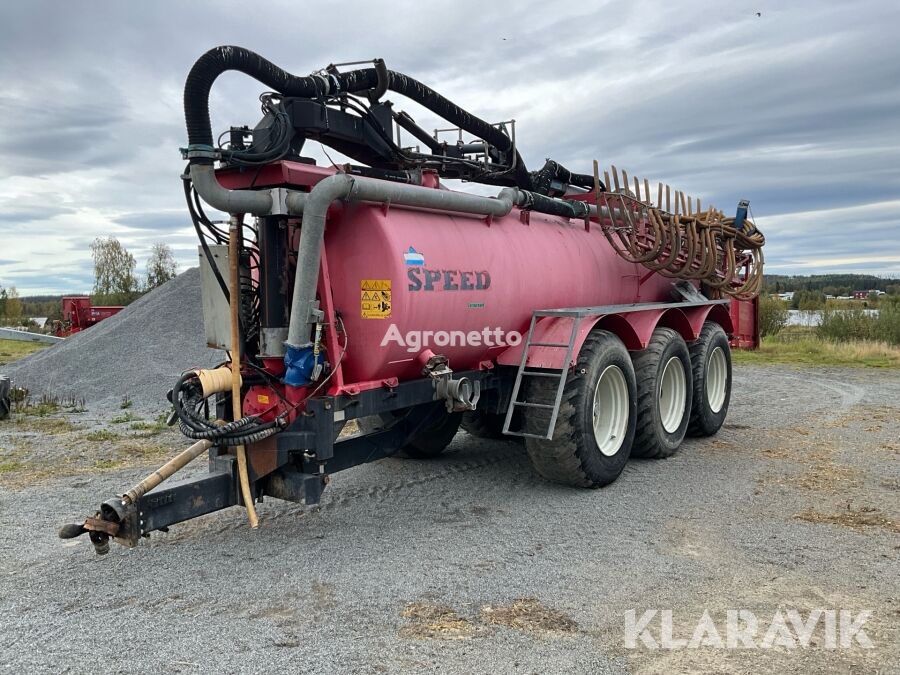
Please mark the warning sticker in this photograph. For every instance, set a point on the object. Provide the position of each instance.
(375, 298)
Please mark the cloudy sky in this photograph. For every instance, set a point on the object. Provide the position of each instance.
(797, 110)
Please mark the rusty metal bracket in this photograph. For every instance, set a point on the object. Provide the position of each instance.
(97, 524)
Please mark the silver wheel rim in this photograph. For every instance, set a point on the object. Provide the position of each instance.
(610, 410)
(672, 395)
(716, 379)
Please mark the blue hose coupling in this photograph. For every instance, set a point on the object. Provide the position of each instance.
(740, 217)
(300, 364)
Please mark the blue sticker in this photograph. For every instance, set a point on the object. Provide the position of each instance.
(413, 257)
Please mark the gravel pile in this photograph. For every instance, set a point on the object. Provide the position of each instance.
(138, 353)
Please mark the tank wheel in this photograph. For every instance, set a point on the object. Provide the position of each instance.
(5, 399)
(711, 363)
(663, 373)
(595, 428)
(429, 441)
(485, 425)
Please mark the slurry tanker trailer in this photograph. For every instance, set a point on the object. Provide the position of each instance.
(367, 310)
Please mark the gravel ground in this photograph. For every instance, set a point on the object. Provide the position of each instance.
(138, 353)
(471, 563)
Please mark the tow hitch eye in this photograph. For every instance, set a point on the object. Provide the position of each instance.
(114, 519)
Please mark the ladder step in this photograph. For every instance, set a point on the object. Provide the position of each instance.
(540, 373)
(525, 435)
(533, 405)
(548, 344)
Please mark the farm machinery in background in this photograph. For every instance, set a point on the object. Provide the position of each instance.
(326, 282)
(78, 314)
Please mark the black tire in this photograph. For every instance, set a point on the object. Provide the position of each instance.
(434, 439)
(5, 402)
(652, 440)
(429, 442)
(705, 421)
(484, 424)
(573, 456)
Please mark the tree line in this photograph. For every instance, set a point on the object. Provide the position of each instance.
(116, 282)
(831, 284)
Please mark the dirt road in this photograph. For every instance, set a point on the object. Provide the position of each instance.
(471, 563)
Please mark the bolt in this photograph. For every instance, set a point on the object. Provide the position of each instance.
(142, 522)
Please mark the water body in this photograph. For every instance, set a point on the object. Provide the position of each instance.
(807, 317)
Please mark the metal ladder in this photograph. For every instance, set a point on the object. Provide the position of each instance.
(524, 372)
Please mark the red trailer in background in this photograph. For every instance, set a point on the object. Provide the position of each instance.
(78, 313)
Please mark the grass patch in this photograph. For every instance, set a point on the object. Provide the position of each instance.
(13, 350)
(136, 451)
(527, 614)
(46, 425)
(809, 350)
(855, 519)
(149, 428)
(9, 467)
(429, 621)
(101, 436)
(42, 408)
(107, 464)
(125, 418)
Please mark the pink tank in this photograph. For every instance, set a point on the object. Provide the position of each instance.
(402, 270)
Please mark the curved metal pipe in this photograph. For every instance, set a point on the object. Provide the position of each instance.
(357, 188)
(314, 206)
(255, 202)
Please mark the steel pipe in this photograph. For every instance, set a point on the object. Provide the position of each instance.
(357, 188)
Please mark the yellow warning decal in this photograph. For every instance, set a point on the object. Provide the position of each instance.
(375, 298)
(262, 398)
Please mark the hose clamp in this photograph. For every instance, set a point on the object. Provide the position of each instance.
(279, 201)
(200, 151)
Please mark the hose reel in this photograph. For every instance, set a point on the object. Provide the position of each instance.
(687, 242)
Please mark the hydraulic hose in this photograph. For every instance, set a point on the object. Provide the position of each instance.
(222, 59)
(177, 463)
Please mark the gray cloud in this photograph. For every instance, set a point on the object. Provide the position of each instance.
(796, 110)
(155, 221)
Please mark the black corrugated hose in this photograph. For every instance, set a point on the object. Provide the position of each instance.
(221, 59)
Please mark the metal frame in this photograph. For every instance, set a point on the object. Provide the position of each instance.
(577, 315)
(294, 465)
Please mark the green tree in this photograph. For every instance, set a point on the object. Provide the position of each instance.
(13, 308)
(808, 300)
(773, 315)
(114, 279)
(161, 266)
